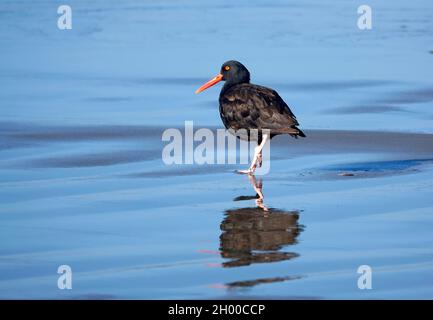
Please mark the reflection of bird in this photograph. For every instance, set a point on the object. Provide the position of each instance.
(257, 186)
(251, 283)
(249, 236)
(248, 106)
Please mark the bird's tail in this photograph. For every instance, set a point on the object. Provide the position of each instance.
(293, 131)
(301, 133)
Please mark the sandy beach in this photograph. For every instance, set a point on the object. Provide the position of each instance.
(82, 181)
(138, 229)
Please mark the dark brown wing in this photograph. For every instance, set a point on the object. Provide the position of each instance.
(248, 106)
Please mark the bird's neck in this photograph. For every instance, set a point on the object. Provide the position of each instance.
(232, 83)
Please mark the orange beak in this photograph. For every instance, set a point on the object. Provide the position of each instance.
(210, 83)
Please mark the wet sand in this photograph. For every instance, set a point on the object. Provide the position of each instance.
(139, 229)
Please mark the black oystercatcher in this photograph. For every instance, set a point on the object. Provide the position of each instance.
(248, 106)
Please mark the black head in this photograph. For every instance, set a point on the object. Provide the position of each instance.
(232, 72)
(235, 72)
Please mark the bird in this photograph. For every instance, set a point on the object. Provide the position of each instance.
(247, 106)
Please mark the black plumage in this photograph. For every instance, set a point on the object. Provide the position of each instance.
(248, 106)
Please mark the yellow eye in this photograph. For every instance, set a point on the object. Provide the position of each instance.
(226, 68)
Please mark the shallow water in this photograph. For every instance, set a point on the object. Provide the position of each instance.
(83, 183)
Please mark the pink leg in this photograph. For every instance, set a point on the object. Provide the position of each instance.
(257, 159)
